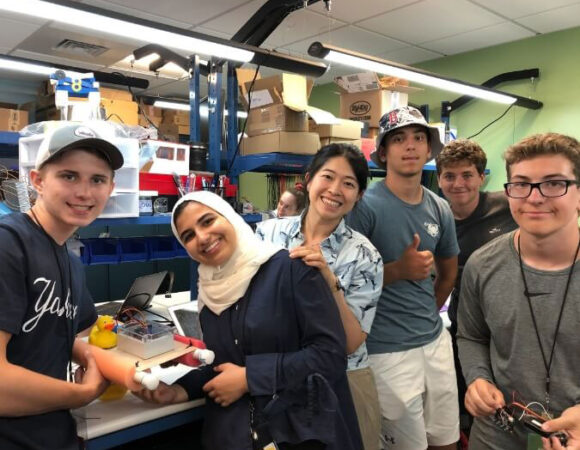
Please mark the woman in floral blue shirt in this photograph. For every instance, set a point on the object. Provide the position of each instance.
(350, 264)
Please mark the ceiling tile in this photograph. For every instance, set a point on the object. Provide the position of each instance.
(300, 25)
(13, 32)
(188, 12)
(351, 38)
(230, 22)
(365, 9)
(142, 11)
(212, 32)
(431, 19)
(553, 20)
(56, 60)
(484, 37)
(519, 8)
(46, 40)
(410, 55)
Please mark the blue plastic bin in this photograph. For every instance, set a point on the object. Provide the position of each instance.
(103, 251)
(180, 252)
(161, 247)
(133, 249)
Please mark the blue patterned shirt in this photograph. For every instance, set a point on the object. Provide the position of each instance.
(351, 257)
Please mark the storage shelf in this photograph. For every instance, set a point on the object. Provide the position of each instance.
(9, 144)
(271, 162)
(290, 163)
(156, 220)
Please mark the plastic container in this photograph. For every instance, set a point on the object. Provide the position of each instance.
(162, 247)
(180, 251)
(133, 249)
(146, 342)
(102, 251)
(122, 205)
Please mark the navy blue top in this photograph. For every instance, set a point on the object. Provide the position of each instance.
(286, 331)
(44, 303)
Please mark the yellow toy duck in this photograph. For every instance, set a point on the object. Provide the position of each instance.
(102, 334)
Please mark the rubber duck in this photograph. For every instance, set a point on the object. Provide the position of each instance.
(102, 334)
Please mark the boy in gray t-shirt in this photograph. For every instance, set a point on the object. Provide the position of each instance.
(413, 229)
(519, 311)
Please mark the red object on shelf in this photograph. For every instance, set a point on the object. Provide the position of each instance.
(165, 185)
(367, 147)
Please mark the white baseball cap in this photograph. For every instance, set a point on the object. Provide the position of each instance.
(77, 136)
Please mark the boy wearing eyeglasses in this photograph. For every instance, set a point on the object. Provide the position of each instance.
(479, 218)
(519, 312)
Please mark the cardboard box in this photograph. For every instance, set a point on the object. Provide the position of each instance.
(278, 103)
(116, 94)
(176, 117)
(287, 88)
(275, 118)
(172, 131)
(151, 111)
(301, 143)
(120, 111)
(370, 106)
(143, 122)
(363, 96)
(13, 119)
(245, 76)
(330, 140)
(344, 130)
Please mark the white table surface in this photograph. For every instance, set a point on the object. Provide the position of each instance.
(100, 418)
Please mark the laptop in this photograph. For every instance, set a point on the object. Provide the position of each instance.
(140, 294)
(185, 317)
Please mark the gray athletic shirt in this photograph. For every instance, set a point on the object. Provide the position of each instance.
(496, 336)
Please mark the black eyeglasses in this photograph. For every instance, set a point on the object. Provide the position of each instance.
(549, 189)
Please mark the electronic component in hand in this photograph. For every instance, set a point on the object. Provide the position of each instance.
(506, 419)
(146, 340)
(535, 425)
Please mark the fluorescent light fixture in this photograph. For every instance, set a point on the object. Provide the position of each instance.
(13, 63)
(18, 66)
(81, 16)
(184, 107)
(382, 66)
(22, 66)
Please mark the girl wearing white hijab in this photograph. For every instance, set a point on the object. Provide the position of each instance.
(277, 336)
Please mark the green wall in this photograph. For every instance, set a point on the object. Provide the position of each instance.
(558, 87)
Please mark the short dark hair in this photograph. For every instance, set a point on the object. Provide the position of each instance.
(300, 197)
(541, 145)
(351, 153)
(461, 151)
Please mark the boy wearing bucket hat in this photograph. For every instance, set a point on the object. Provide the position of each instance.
(44, 302)
(413, 229)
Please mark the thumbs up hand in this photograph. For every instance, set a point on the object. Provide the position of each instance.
(414, 264)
